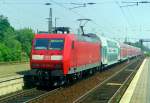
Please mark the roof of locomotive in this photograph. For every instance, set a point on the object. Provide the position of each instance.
(75, 36)
(51, 35)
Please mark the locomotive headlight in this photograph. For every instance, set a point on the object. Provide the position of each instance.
(37, 57)
(56, 57)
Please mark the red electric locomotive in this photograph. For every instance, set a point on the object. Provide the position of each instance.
(57, 58)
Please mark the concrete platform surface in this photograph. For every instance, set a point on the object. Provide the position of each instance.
(13, 69)
(139, 89)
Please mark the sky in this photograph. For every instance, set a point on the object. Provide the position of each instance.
(108, 17)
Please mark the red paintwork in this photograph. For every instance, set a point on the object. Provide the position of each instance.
(83, 53)
(128, 51)
(123, 51)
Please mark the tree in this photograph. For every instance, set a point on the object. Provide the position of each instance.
(25, 36)
(14, 43)
(4, 25)
(5, 53)
(15, 49)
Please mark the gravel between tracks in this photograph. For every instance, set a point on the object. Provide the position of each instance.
(104, 92)
(71, 93)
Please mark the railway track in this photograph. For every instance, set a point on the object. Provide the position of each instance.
(25, 96)
(80, 91)
(16, 89)
(110, 90)
(38, 98)
(76, 92)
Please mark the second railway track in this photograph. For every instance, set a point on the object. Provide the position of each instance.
(24, 96)
(107, 91)
(76, 92)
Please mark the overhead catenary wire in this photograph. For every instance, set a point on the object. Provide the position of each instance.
(21, 3)
(61, 4)
(123, 13)
(100, 27)
(134, 3)
(132, 18)
(69, 3)
(131, 15)
(124, 16)
(82, 16)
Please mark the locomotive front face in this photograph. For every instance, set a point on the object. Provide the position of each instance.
(47, 53)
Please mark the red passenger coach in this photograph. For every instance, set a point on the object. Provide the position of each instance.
(123, 51)
(56, 57)
(128, 51)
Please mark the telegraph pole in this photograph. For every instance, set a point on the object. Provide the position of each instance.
(50, 23)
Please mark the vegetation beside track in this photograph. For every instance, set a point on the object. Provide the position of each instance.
(15, 44)
(147, 54)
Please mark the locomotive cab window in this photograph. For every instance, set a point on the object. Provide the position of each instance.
(40, 44)
(49, 44)
(56, 44)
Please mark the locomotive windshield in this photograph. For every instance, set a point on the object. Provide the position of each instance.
(49, 44)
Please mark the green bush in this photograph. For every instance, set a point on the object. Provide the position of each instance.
(25, 36)
(5, 53)
(15, 45)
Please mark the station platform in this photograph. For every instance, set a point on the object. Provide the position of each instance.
(13, 69)
(139, 88)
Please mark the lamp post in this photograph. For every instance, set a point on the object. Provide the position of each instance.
(50, 24)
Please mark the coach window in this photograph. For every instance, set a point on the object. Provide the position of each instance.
(72, 44)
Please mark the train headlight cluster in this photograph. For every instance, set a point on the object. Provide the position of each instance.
(46, 57)
(37, 57)
(56, 57)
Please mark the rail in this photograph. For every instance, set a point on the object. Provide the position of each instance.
(117, 96)
(40, 97)
(83, 97)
